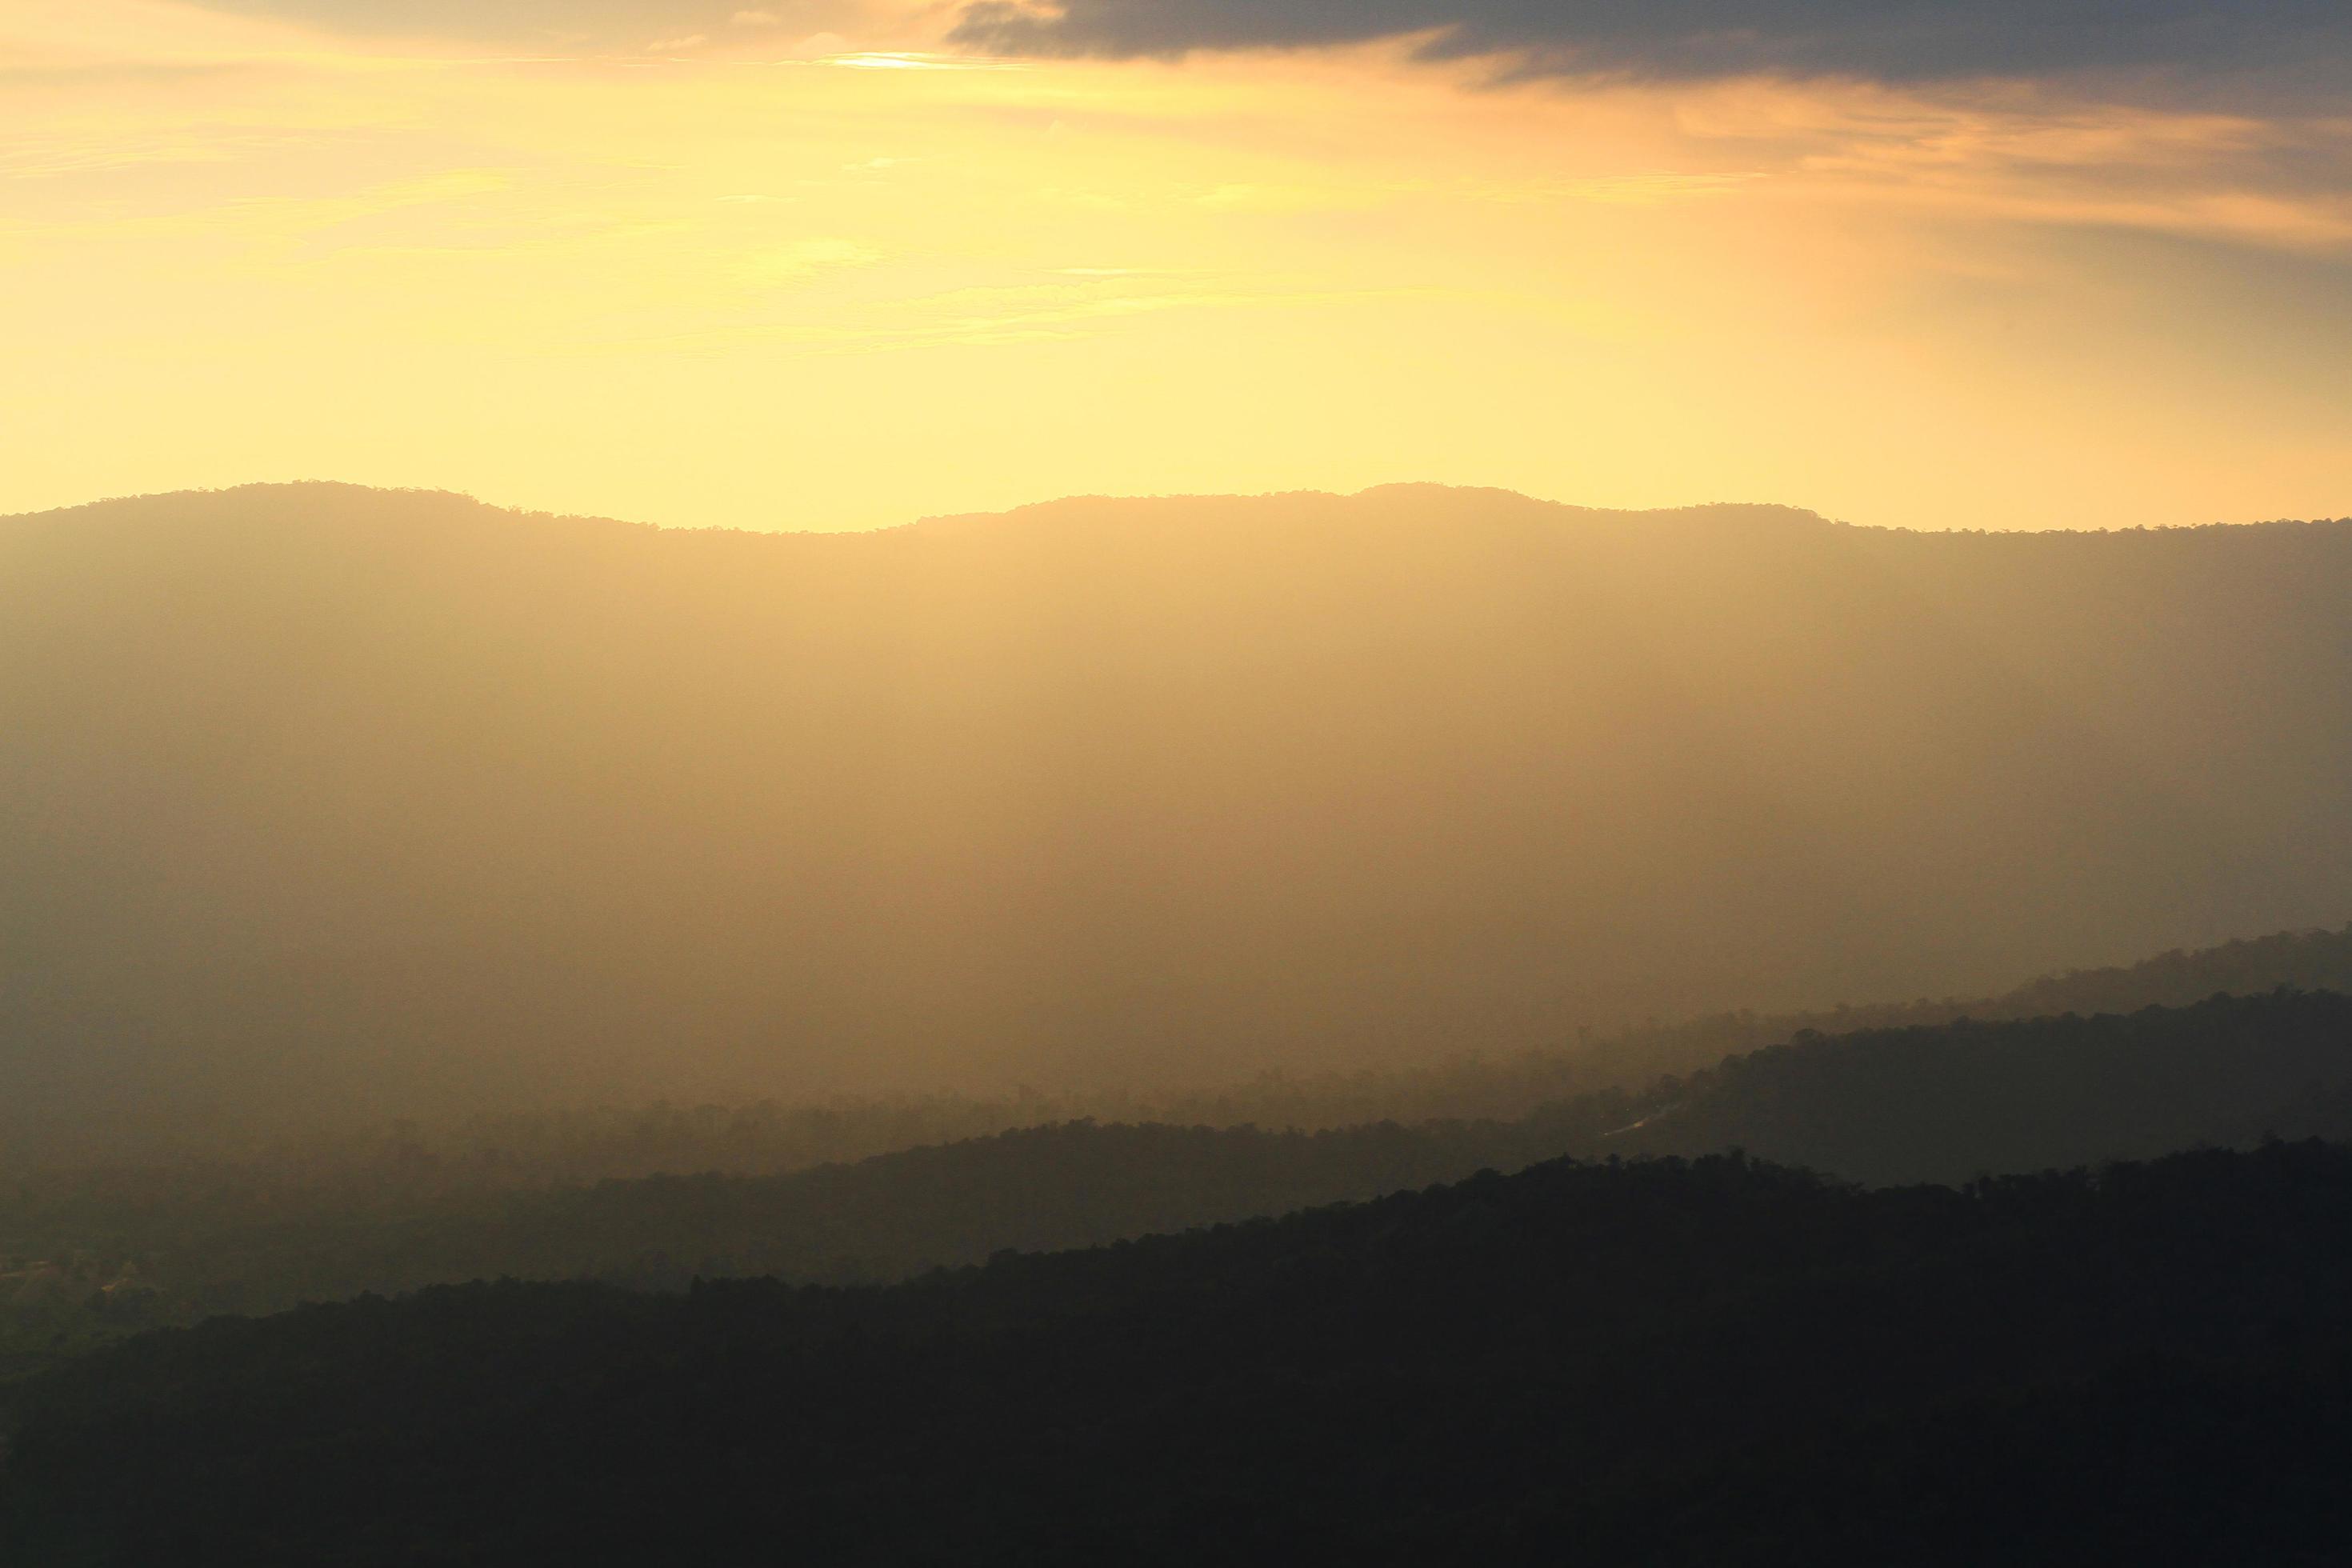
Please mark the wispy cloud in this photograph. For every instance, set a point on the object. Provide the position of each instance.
(1554, 281)
(604, 26)
(908, 60)
(1692, 40)
(1085, 303)
(2236, 178)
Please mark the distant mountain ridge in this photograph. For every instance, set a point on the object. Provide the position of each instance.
(322, 802)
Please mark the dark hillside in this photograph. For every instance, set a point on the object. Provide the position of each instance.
(1719, 1361)
(1944, 1103)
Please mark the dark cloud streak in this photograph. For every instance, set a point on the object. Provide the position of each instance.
(1685, 39)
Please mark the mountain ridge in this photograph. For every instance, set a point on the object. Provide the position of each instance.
(1397, 489)
(314, 806)
(1402, 489)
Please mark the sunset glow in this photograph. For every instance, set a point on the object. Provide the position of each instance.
(793, 269)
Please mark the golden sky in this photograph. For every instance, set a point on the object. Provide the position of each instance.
(831, 265)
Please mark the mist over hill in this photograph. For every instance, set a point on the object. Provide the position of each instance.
(90, 1256)
(317, 801)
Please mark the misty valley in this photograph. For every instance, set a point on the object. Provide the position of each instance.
(1417, 1027)
(1652, 867)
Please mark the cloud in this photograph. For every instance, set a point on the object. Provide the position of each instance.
(586, 24)
(1887, 40)
(781, 265)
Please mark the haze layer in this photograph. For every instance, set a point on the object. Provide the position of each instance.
(325, 800)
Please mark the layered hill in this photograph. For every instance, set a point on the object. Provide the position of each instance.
(1654, 1363)
(104, 1254)
(317, 801)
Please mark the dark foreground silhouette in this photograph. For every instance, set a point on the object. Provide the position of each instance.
(1674, 1363)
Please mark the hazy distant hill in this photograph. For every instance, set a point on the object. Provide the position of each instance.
(552, 1144)
(1882, 1106)
(315, 799)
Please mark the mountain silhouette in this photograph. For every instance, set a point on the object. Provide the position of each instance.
(322, 801)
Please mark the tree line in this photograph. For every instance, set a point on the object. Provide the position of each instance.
(1665, 1361)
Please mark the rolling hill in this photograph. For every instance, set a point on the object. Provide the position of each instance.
(321, 803)
(1656, 1363)
(100, 1254)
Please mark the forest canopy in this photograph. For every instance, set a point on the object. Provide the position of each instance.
(1718, 1361)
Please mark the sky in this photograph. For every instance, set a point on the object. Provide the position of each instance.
(834, 264)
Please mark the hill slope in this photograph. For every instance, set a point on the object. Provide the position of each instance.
(1887, 1106)
(324, 799)
(1945, 1103)
(1721, 1363)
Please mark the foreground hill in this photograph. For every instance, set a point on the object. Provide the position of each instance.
(1718, 1362)
(118, 1252)
(326, 801)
